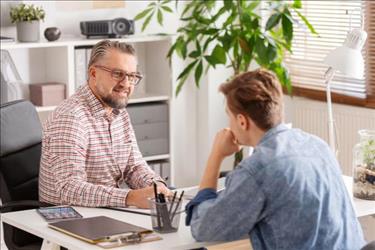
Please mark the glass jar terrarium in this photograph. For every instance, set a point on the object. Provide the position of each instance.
(364, 166)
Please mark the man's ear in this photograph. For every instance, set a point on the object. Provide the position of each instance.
(243, 121)
(92, 72)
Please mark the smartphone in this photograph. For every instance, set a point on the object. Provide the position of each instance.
(53, 214)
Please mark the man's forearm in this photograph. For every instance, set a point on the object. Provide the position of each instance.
(211, 173)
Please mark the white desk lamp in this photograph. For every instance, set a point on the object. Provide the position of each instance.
(348, 60)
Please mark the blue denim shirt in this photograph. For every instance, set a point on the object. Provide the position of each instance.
(288, 195)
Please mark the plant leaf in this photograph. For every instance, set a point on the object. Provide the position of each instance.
(160, 17)
(198, 73)
(187, 70)
(194, 54)
(252, 5)
(211, 61)
(147, 21)
(142, 14)
(243, 45)
(273, 21)
(181, 47)
(297, 4)
(228, 4)
(219, 55)
(184, 75)
(166, 8)
(311, 28)
(287, 28)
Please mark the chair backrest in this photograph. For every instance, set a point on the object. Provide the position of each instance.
(20, 150)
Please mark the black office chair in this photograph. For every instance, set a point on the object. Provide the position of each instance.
(20, 150)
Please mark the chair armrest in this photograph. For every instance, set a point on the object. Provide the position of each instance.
(20, 205)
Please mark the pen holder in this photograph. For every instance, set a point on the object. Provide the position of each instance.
(165, 216)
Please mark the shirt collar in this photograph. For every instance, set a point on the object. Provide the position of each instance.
(96, 106)
(270, 133)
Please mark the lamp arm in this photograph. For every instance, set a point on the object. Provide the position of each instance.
(331, 126)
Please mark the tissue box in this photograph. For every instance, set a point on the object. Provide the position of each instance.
(47, 94)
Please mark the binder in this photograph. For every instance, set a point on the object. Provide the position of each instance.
(104, 231)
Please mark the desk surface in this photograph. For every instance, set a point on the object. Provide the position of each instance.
(31, 221)
(361, 207)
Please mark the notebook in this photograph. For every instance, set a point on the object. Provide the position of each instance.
(103, 231)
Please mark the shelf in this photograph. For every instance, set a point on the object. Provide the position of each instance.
(147, 97)
(156, 157)
(45, 108)
(81, 41)
(137, 98)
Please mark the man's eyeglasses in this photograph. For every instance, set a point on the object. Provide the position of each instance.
(120, 75)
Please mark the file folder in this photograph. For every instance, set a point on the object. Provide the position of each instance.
(104, 231)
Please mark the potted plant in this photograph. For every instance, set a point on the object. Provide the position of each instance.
(231, 33)
(364, 166)
(27, 18)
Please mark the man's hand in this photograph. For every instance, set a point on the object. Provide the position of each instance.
(225, 144)
(139, 197)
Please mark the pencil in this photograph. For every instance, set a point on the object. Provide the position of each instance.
(157, 204)
(170, 207)
(178, 204)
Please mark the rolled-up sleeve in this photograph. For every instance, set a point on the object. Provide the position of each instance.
(232, 214)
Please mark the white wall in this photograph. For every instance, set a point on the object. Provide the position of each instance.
(66, 15)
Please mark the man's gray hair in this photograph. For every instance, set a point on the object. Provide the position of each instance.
(101, 48)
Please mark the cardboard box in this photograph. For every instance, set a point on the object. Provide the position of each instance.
(47, 94)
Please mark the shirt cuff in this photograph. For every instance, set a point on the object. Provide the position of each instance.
(203, 195)
(118, 197)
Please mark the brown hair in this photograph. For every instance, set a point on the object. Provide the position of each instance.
(256, 94)
(101, 48)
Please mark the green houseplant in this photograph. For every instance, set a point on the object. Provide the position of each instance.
(230, 33)
(27, 18)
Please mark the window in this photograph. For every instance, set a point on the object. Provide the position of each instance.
(332, 20)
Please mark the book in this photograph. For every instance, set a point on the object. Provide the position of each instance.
(104, 231)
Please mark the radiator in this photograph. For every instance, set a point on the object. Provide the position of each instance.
(311, 116)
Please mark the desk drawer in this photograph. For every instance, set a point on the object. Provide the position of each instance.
(153, 147)
(150, 131)
(148, 113)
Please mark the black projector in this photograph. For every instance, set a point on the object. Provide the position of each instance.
(109, 28)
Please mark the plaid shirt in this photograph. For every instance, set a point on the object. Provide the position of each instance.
(87, 155)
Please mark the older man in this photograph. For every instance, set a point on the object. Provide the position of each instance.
(90, 155)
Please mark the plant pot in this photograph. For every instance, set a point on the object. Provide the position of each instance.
(28, 31)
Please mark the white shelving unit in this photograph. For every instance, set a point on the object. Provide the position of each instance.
(55, 62)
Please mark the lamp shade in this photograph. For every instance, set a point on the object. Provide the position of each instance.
(348, 58)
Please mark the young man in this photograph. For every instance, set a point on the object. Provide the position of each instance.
(288, 195)
(89, 150)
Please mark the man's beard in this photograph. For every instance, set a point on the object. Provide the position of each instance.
(115, 103)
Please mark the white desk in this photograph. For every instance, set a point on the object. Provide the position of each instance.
(32, 222)
(361, 207)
